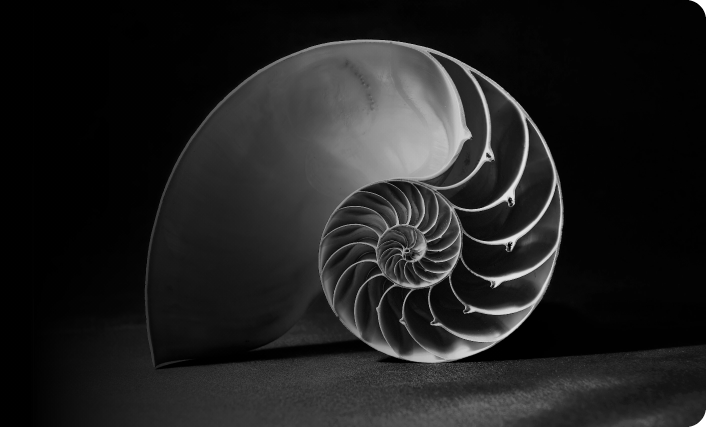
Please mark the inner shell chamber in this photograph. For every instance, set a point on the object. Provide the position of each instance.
(366, 112)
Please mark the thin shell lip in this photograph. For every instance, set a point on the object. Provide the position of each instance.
(189, 148)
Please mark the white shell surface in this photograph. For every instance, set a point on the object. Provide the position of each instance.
(233, 256)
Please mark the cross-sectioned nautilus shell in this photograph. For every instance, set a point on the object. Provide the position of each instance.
(441, 268)
(437, 197)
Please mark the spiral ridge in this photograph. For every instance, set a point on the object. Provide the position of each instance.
(442, 268)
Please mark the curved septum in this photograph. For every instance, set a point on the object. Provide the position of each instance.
(445, 267)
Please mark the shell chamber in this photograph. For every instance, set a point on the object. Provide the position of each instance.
(439, 269)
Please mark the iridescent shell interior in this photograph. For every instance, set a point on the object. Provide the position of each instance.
(400, 155)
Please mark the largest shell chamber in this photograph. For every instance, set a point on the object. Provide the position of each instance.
(414, 189)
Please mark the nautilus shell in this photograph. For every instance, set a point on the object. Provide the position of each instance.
(426, 193)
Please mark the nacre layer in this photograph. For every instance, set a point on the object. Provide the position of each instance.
(425, 192)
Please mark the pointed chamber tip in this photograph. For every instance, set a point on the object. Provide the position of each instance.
(495, 283)
(467, 136)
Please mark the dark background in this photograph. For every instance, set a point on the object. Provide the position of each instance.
(617, 93)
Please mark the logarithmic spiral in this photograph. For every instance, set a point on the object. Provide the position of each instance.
(439, 269)
(437, 196)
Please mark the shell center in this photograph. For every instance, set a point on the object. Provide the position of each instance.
(410, 242)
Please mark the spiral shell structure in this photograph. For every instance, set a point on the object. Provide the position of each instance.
(441, 268)
(437, 197)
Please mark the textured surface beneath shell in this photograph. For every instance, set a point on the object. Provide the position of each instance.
(233, 256)
(319, 375)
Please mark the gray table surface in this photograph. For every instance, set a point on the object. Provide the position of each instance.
(319, 374)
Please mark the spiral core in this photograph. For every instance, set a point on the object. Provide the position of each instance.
(439, 269)
(420, 253)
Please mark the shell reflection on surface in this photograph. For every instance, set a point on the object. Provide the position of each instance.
(441, 268)
(437, 197)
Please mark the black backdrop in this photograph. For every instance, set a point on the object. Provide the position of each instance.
(617, 93)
